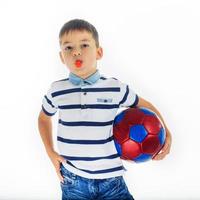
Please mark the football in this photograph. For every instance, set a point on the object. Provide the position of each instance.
(138, 134)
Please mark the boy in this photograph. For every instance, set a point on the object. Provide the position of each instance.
(87, 164)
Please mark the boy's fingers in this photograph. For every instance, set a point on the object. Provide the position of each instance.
(158, 157)
(58, 172)
(162, 153)
(164, 148)
(60, 176)
(61, 159)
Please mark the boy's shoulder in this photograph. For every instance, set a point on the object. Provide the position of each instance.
(113, 80)
(103, 77)
(60, 84)
(110, 81)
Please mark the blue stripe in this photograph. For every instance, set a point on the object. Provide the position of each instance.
(61, 139)
(47, 113)
(49, 101)
(107, 89)
(104, 170)
(68, 91)
(61, 92)
(114, 78)
(75, 106)
(98, 171)
(90, 158)
(125, 96)
(85, 123)
(92, 106)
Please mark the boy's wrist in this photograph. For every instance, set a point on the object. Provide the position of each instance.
(50, 151)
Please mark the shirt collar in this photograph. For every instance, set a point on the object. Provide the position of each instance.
(76, 80)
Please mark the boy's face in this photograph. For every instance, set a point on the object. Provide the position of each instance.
(80, 45)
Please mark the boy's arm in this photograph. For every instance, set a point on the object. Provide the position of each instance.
(45, 129)
(166, 148)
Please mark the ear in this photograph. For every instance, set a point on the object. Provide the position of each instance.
(99, 53)
(61, 57)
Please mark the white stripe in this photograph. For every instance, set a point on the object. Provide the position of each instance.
(98, 115)
(88, 133)
(98, 165)
(87, 150)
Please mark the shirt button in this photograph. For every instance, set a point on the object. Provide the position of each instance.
(83, 106)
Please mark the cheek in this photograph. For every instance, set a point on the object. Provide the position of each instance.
(89, 54)
(67, 59)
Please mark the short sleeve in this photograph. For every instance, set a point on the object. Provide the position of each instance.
(48, 103)
(128, 98)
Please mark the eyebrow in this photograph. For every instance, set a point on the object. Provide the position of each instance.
(83, 40)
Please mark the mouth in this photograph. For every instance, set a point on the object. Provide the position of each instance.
(78, 63)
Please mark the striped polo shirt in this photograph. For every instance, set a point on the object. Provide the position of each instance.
(87, 108)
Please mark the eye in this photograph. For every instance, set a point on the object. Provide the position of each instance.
(85, 45)
(68, 48)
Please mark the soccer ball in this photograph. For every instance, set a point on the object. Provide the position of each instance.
(138, 134)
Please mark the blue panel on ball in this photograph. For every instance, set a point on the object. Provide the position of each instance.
(119, 117)
(146, 111)
(138, 133)
(161, 136)
(142, 158)
(118, 148)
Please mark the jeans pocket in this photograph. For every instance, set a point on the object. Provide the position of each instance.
(68, 182)
(70, 179)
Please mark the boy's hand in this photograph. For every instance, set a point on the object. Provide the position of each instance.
(166, 148)
(56, 159)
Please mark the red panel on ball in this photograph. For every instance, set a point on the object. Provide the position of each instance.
(120, 134)
(133, 116)
(131, 149)
(152, 124)
(151, 144)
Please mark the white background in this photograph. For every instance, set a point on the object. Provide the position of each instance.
(154, 46)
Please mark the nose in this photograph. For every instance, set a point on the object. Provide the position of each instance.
(77, 52)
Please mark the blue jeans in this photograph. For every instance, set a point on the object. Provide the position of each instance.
(76, 187)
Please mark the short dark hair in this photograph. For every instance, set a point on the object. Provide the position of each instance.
(81, 25)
